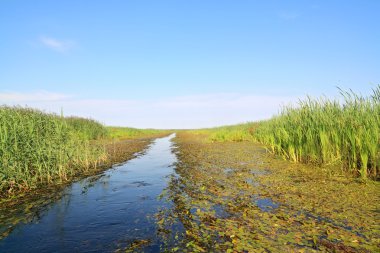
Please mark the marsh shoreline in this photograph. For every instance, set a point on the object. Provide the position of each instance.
(110, 209)
(236, 197)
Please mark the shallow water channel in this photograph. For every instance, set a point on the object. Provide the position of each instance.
(105, 212)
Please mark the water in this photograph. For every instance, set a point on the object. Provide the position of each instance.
(104, 212)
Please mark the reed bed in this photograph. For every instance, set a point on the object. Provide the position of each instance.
(238, 133)
(87, 128)
(38, 148)
(343, 131)
(329, 131)
(131, 133)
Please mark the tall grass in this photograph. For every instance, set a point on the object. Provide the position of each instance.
(130, 133)
(241, 132)
(87, 128)
(37, 148)
(329, 131)
(324, 131)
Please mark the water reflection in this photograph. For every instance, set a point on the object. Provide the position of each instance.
(102, 213)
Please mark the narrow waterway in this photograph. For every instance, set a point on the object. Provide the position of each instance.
(103, 213)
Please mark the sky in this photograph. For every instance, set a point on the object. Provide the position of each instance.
(184, 64)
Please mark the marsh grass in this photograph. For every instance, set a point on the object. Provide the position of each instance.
(38, 148)
(322, 131)
(132, 133)
(215, 199)
(238, 133)
(87, 128)
(242, 132)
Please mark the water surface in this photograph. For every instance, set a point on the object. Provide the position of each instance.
(105, 212)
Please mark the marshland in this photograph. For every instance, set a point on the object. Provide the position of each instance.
(190, 126)
(305, 180)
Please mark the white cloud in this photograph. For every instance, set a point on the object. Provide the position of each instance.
(38, 96)
(57, 45)
(197, 111)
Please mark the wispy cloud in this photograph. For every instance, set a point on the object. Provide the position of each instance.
(57, 45)
(37, 96)
(196, 111)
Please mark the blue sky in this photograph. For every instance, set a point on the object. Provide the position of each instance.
(184, 64)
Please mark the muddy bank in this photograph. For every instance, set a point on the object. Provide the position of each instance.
(234, 197)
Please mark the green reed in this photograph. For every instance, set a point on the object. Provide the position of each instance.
(325, 131)
(38, 148)
(87, 128)
(131, 133)
(345, 131)
(241, 132)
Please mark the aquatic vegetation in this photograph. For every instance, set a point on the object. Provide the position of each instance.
(241, 132)
(38, 148)
(327, 131)
(87, 128)
(319, 131)
(238, 133)
(131, 133)
(219, 189)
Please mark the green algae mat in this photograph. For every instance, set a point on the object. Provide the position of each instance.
(234, 197)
